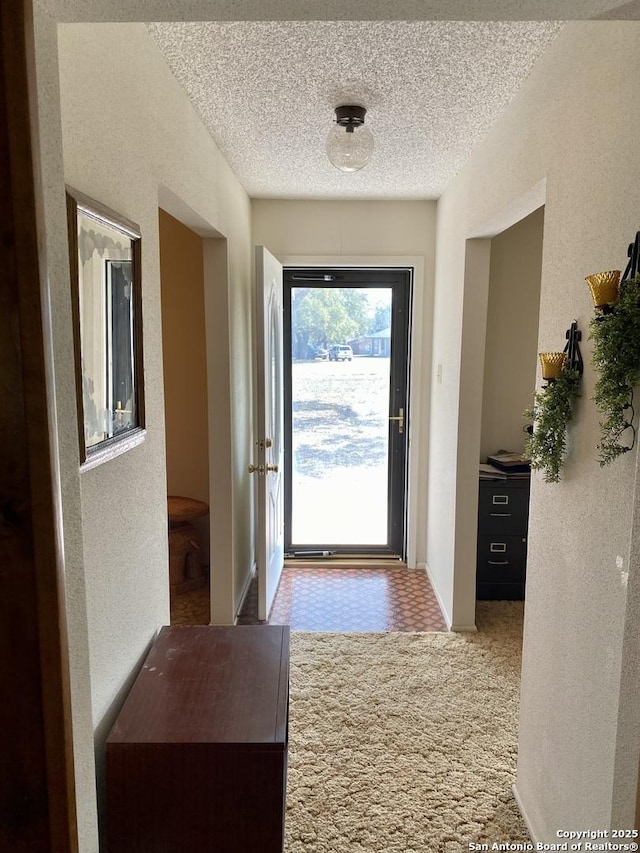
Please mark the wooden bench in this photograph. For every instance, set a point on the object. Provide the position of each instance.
(197, 758)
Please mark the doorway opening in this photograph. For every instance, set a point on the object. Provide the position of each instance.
(511, 345)
(186, 419)
(346, 360)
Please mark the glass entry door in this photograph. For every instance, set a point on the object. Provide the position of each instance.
(346, 368)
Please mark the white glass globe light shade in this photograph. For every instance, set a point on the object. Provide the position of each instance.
(349, 152)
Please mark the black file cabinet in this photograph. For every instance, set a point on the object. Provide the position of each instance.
(503, 516)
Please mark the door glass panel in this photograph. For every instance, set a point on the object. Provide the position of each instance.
(341, 347)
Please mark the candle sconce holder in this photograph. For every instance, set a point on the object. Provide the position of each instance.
(615, 332)
(553, 363)
(552, 408)
(604, 289)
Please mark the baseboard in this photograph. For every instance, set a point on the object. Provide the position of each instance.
(525, 816)
(245, 590)
(443, 609)
(464, 629)
(470, 629)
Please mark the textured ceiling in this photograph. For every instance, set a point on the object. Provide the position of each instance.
(110, 11)
(432, 89)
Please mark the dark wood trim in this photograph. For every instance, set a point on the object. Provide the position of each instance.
(72, 230)
(138, 340)
(91, 206)
(37, 792)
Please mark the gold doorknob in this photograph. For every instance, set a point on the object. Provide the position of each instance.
(273, 468)
(256, 469)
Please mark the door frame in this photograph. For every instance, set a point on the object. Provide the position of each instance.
(37, 777)
(270, 425)
(418, 383)
(399, 281)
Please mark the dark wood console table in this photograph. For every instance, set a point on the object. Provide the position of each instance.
(197, 758)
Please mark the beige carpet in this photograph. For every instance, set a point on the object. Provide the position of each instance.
(405, 743)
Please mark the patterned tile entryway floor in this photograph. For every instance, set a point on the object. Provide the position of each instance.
(356, 599)
(326, 598)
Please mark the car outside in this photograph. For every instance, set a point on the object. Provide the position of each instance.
(340, 352)
(318, 353)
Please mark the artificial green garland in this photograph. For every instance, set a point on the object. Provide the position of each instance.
(616, 357)
(551, 412)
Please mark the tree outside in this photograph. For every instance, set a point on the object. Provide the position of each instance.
(321, 316)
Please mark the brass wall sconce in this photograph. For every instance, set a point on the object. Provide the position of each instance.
(553, 407)
(615, 332)
(604, 288)
(552, 363)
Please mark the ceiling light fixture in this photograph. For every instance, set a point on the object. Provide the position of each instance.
(350, 143)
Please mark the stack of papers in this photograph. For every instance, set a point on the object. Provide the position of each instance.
(505, 464)
(488, 472)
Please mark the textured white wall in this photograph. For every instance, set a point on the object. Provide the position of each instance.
(572, 124)
(127, 130)
(367, 230)
(345, 227)
(68, 454)
(512, 334)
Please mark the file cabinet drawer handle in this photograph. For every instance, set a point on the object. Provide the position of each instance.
(498, 562)
(500, 514)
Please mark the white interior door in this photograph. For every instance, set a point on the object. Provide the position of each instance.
(270, 496)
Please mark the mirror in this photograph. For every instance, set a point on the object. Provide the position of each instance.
(104, 251)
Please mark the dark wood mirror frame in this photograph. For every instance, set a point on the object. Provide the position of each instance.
(105, 259)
